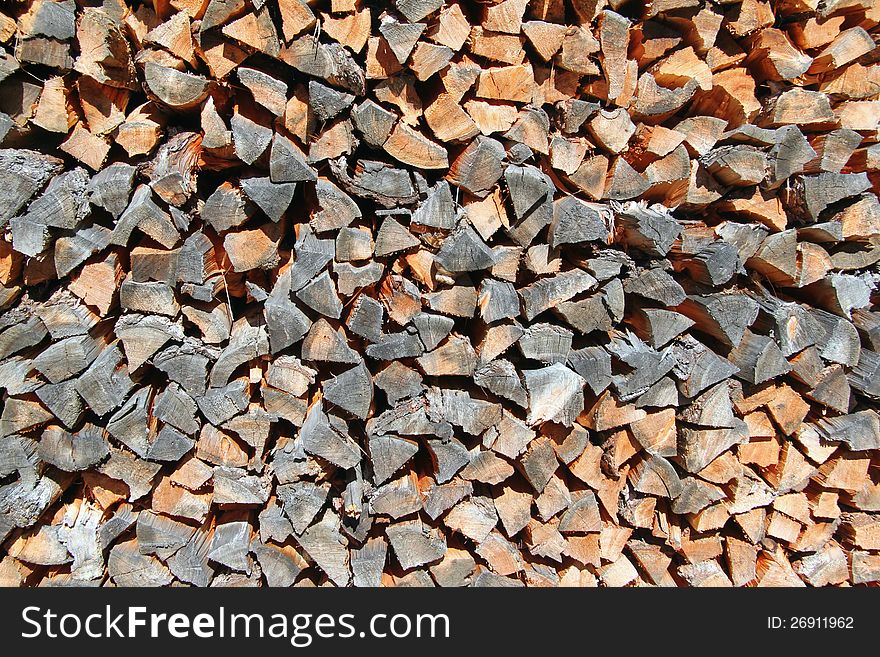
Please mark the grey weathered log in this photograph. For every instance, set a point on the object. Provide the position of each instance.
(479, 166)
(350, 279)
(161, 535)
(758, 359)
(723, 316)
(352, 391)
(324, 544)
(698, 367)
(287, 163)
(230, 545)
(555, 394)
(148, 217)
(221, 404)
(272, 198)
(649, 229)
(190, 563)
(320, 295)
(396, 345)
(392, 238)
(251, 138)
(186, 364)
(27, 171)
(73, 452)
(575, 221)
(376, 181)
(438, 209)
(547, 293)
(286, 323)
(860, 431)
(547, 343)
(324, 343)
(336, 209)
(374, 122)
(328, 438)
(464, 250)
(838, 339)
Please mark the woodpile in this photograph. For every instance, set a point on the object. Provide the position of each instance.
(499, 293)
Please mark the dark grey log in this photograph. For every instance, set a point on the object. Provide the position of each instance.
(330, 62)
(325, 545)
(396, 345)
(698, 367)
(366, 318)
(497, 300)
(438, 209)
(336, 209)
(464, 250)
(320, 295)
(250, 137)
(272, 198)
(594, 365)
(374, 122)
(575, 221)
(287, 163)
(393, 238)
(865, 376)
(352, 391)
(221, 404)
(286, 323)
(723, 316)
(652, 230)
(860, 431)
(144, 214)
(169, 445)
(658, 326)
(501, 378)
(327, 102)
(376, 181)
(106, 383)
(547, 293)
(830, 388)
(657, 285)
(324, 438)
(26, 173)
(758, 359)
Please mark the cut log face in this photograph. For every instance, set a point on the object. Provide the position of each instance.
(327, 292)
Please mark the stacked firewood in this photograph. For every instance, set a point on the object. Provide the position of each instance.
(499, 293)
